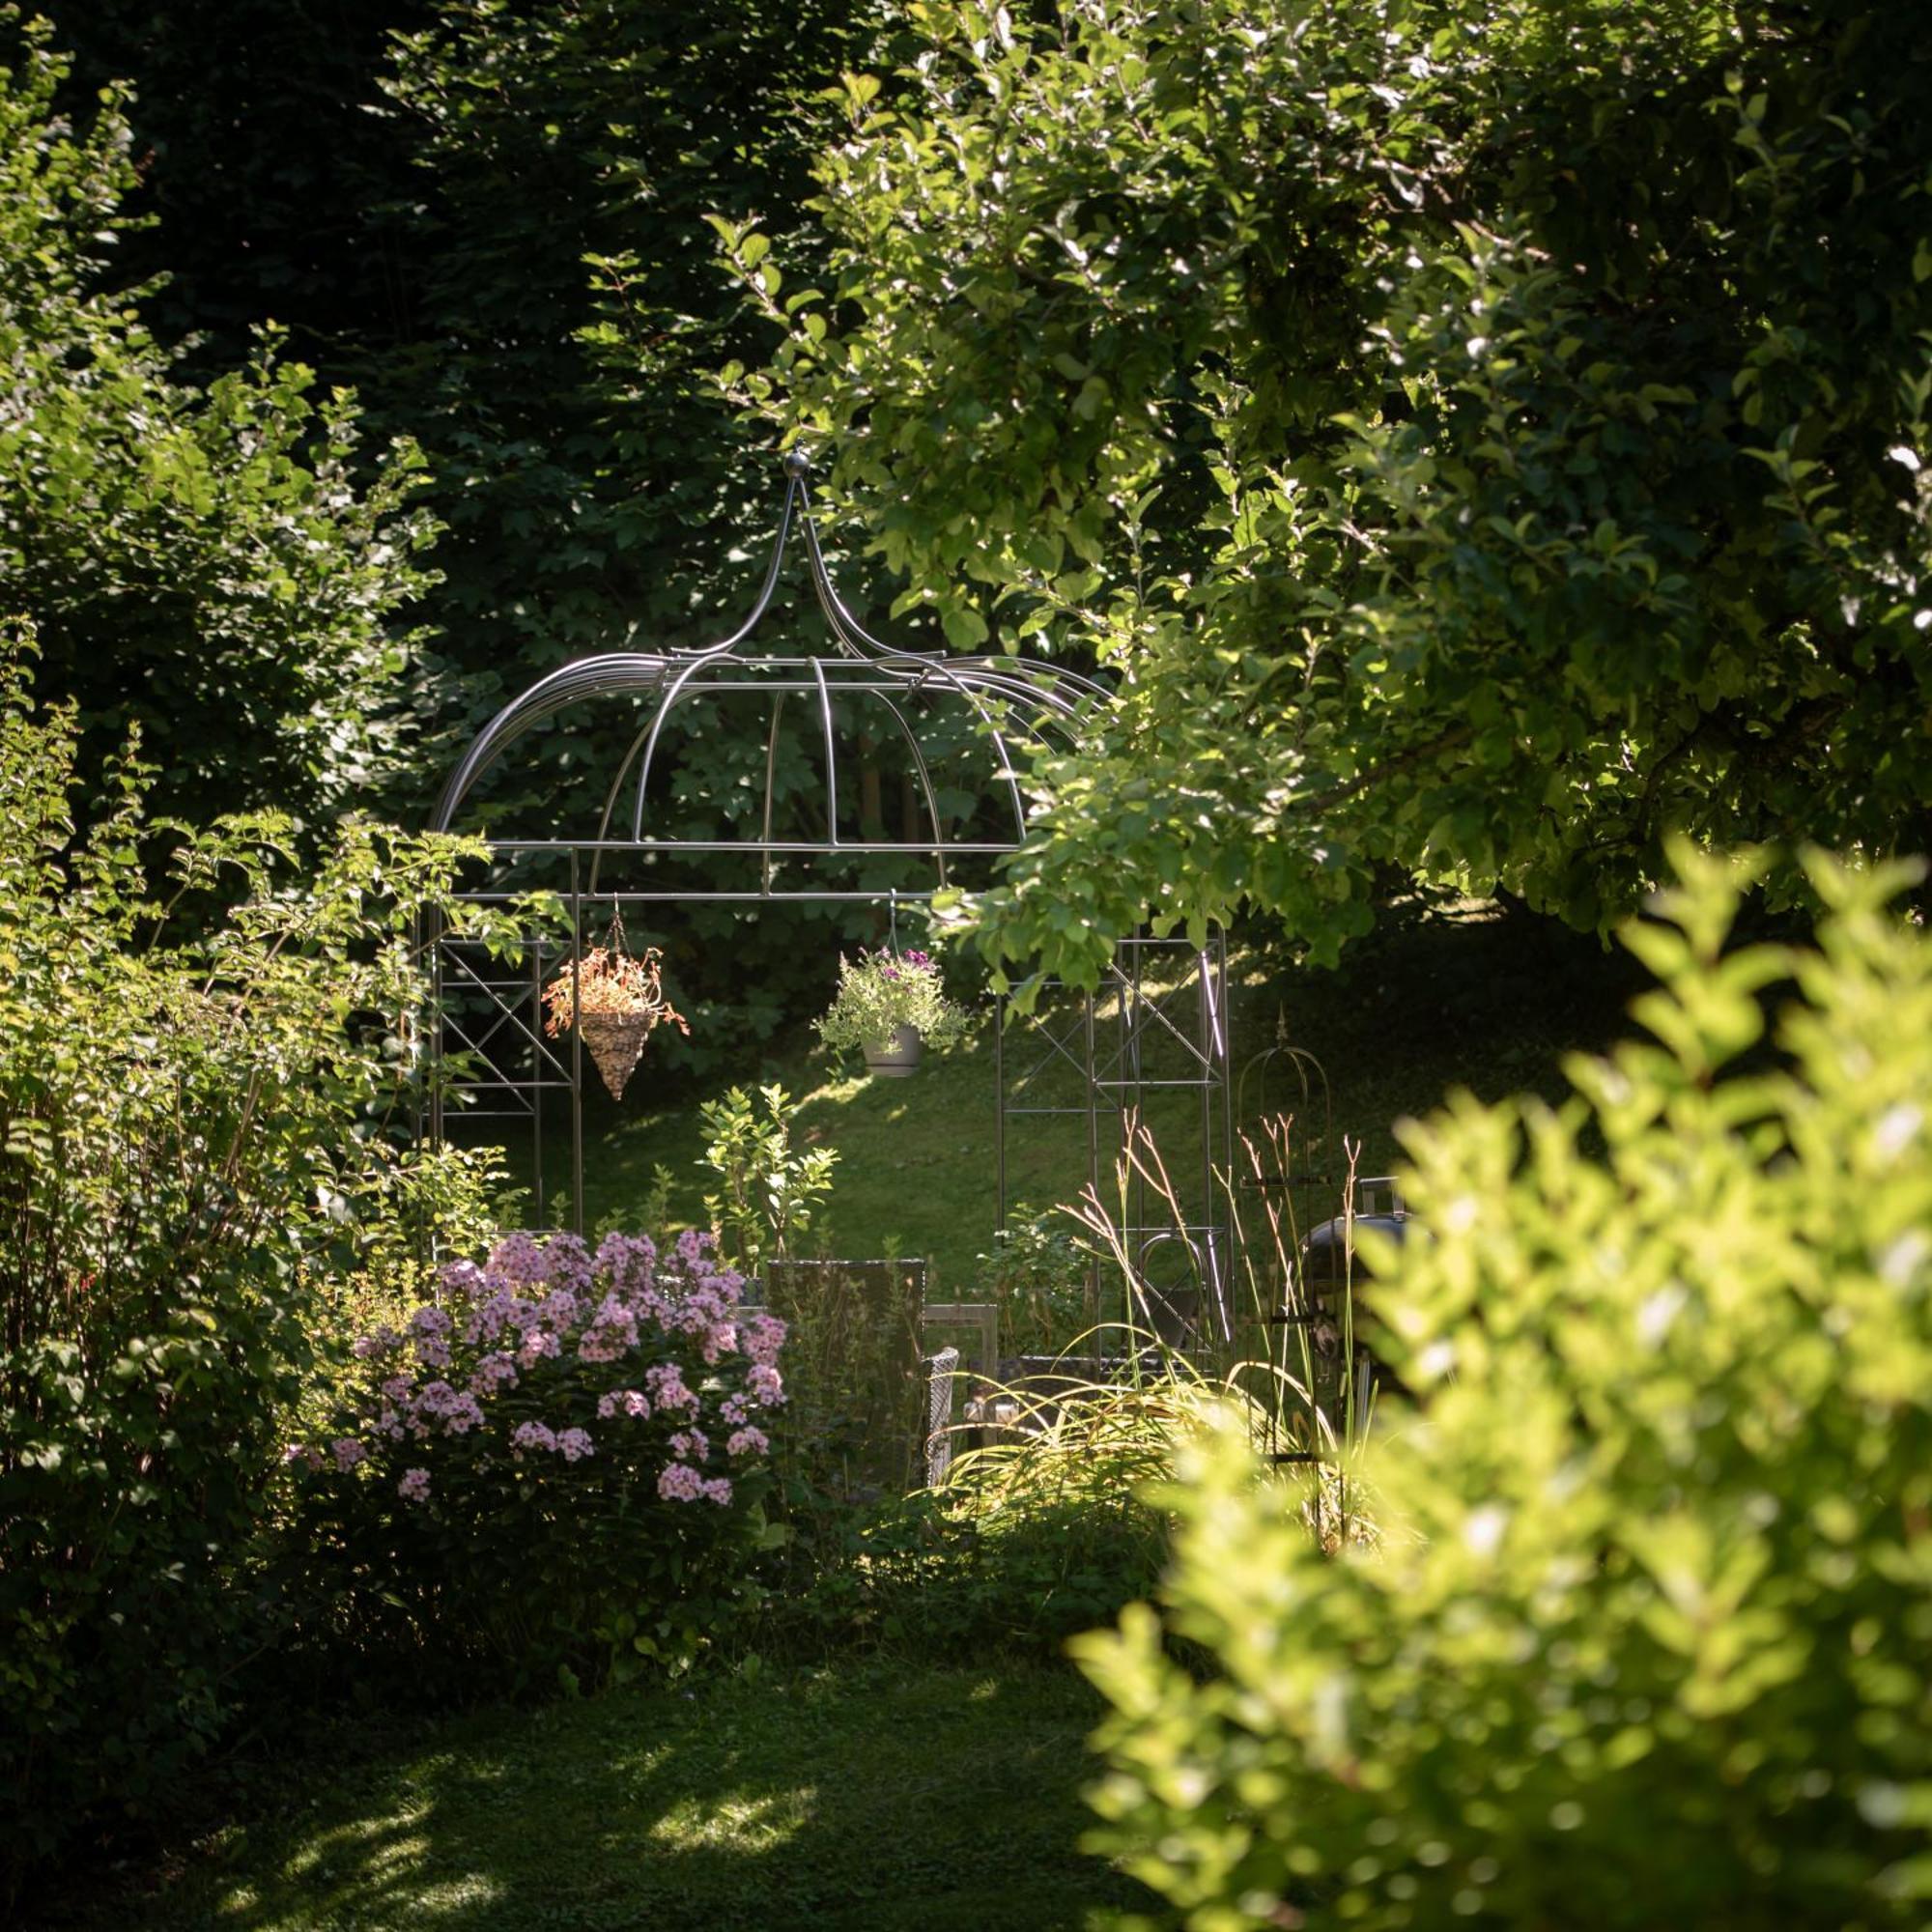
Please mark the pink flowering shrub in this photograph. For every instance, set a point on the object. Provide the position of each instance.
(561, 1451)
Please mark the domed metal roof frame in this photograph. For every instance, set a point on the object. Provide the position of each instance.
(1015, 701)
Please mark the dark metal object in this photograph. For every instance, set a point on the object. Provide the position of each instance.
(817, 707)
(1158, 1025)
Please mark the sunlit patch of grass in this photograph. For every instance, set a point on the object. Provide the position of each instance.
(865, 1795)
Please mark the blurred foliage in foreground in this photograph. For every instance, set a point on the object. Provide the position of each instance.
(1649, 1638)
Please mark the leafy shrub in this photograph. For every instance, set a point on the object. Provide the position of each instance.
(856, 1387)
(221, 566)
(933, 1573)
(187, 1127)
(1647, 1639)
(1037, 1274)
(768, 1190)
(556, 1463)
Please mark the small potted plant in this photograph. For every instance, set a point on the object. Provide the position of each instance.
(888, 1006)
(616, 1001)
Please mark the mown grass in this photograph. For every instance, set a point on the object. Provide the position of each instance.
(1422, 1005)
(866, 1795)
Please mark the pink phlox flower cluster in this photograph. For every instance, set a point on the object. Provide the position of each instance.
(431, 1328)
(612, 1332)
(539, 1300)
(761, 1337)
(488, 1318)
(462, 1281)
(538, 1344)
(459, 1413)
(558, 1309)
(519, 1259)
(679, 1483)
(301, 1452)
(568, 1263)
(491, 1372)
(629, 1263)
(665, 1383)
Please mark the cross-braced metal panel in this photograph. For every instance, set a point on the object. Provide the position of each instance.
(1138, 1070)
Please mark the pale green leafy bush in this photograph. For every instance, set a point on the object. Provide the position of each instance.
(1649, 1639)
(1037, 1274)
(768, 1190)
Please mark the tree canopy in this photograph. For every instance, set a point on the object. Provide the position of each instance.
(222, 563)
(1483, 436)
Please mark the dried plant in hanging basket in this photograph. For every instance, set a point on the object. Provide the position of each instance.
(616, 1001)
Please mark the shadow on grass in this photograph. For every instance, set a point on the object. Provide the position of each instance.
(858, 1796)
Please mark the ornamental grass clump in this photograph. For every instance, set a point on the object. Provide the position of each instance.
(881, 992)
(558, 1463)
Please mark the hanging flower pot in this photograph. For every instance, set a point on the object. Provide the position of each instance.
(617, 1001)
(898, 1057)
(889, 1005)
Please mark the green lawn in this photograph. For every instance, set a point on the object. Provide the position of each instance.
(1418, 1009)
(863, 1795)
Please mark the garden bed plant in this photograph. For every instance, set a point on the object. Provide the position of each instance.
(557, 1464)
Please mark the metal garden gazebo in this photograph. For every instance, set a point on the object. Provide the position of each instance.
(954, 732)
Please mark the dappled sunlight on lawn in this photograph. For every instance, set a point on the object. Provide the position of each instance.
(853, 1797)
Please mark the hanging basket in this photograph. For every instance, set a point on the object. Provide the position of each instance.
(616, 1002)
(616, 1044)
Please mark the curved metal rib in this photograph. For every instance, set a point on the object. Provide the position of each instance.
(924, 784)
(830, 755)
(852, 636)
(794, 496)
(771, 781)
(666, 704)
(605, 677)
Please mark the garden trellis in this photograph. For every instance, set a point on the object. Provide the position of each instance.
(960, 729)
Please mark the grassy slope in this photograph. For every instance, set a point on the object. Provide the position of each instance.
(861, 1795)
(1417, 1010)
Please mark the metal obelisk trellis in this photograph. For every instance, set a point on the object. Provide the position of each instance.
(1158, 1028)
